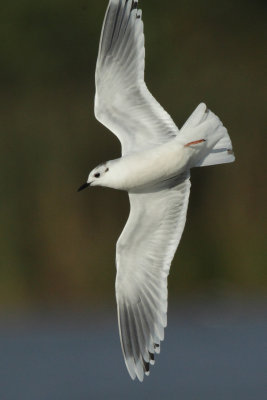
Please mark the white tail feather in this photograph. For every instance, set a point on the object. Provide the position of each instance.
(204, 124)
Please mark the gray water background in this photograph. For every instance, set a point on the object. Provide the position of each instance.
(213, 350)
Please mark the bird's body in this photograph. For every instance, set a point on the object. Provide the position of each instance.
(155, 170)
(161, 162)
(140, 169)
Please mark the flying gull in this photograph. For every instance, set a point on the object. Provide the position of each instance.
(155, 171)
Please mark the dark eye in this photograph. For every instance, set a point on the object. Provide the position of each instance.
(97, 175)
(106, 170)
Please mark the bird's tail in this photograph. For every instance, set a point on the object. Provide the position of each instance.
(204, 132)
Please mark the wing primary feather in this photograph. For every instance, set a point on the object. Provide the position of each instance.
(134, 5)
(149, 332)
(152, 358)
(125, 18)
(139, 14)
(125, 340)
(154, 319)
(128, 37)
(145, 334)
(140, 334)
(122, 18)
(132, 333)
(156, 305)
(157, 348)
(122, 42)
(128, 20)
(151, 319)
(146, 366)
(105, 33)
(136, 344)
(115, 25)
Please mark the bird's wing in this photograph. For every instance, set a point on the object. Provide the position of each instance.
(122, 101)
(145, 250)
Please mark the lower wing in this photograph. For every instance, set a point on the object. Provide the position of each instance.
(145, 250)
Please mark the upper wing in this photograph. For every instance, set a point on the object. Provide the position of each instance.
(145, 250)
(122, 102)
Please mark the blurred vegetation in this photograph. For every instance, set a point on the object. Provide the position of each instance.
(57, 246)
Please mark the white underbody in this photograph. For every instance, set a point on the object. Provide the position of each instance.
(152, 165)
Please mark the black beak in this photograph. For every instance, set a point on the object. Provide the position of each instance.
(84, 186)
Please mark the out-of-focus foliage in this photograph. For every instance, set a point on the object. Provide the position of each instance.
(58, 246)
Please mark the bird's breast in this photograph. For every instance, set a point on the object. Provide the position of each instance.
(151, 165)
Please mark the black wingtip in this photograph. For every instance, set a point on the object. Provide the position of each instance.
(134, 5)
(84, 186)
(146, 366)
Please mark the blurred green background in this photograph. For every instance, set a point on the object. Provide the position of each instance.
(57, 247)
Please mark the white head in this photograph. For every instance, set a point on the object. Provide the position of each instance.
(99, 176)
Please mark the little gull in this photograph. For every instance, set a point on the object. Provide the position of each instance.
(155, 171)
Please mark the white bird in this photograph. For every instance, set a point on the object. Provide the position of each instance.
(155, 170)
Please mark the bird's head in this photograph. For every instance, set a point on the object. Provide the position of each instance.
(97, 177)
